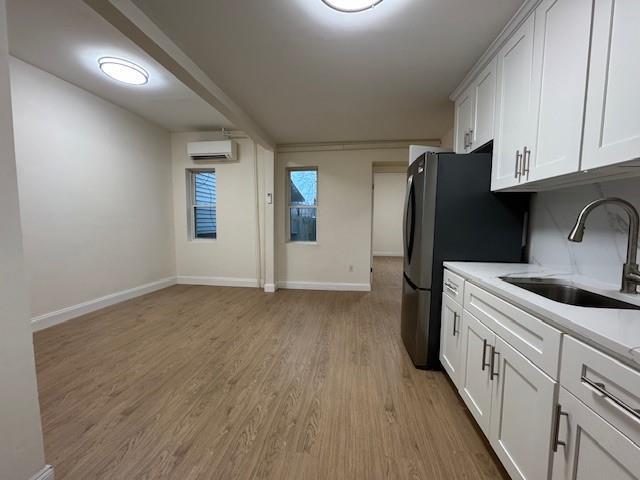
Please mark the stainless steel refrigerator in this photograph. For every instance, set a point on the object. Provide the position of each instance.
(451, 215)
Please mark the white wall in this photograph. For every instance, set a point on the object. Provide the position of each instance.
(233, 258)
(95, 193)
(603, 251)
(344, 219)
(388, 208)
(21, 450)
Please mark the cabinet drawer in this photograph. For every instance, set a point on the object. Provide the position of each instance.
(605, 385)
(533, 338)
(453, 285)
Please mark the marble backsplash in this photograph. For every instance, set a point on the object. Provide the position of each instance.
(603, 250)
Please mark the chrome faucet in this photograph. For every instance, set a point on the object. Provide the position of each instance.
(630, 271)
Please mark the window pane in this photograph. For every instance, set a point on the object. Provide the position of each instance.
(304, 187)
(205, 222)
(302, 223)
(204, 188)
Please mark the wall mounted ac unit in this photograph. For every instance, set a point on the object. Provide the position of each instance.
(222, 150)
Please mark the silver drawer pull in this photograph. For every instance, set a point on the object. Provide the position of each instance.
(485, 364)
(492, 373)
(601, 389)
(455, 324)
(559, 415)
(451, 287)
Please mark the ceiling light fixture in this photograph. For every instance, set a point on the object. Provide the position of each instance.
(351, 6)
(123, 71)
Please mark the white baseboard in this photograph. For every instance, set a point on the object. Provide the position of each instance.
(45, 474)
(269, 287)
(219, 281)
(347, 287)
(54, 318)
(388, 254)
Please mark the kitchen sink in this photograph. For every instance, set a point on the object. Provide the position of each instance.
(564, 292)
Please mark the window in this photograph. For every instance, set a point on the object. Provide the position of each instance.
(302, 204)
(203, 196)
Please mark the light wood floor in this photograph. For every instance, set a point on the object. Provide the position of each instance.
(230, 383)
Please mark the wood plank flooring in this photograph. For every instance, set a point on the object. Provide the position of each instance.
(203, 382)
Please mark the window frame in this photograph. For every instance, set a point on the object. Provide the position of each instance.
(192, 205)
(289, 206)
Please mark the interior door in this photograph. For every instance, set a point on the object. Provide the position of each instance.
(561, 56)
(475, 382)
(513, 106)
(594, 449)
(451, 337)
(521, 414)
(612, 121)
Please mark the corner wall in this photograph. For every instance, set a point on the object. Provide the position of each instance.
(21, 449)
(95, 194)
(344, 219)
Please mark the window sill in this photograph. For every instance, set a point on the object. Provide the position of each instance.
(202, 240)
(294, 242)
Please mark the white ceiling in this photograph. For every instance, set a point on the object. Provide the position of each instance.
(307, 73)
(66, 37)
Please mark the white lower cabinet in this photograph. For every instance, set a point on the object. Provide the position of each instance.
(585, 426)
(475, 382)
(521, 413)
(593, 449)
(451, 337)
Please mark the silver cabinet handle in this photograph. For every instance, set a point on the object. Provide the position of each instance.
(518, 173)
(492, 371)
(556, 439)
(484, 354)
(455, 322)
(467, 142)
(525, 162)
(452, 287)
(602, 390)
(470, 138)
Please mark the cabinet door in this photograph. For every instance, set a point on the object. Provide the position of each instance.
(561, 55)
(451, 338)
(475, 385)
(612, 121)
(484, 96)
(594, 449)
(514, 109)
(522, 414)
(463, 120)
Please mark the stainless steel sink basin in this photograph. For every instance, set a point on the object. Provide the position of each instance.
(564, 292)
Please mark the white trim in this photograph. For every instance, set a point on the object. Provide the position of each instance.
(366, 145)
(269, 287)
(388, 254)
(45, 474)
(59, 316)
(219, 281)
(347, 287)
(520, 16)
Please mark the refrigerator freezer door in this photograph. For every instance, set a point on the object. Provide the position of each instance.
(415, 321)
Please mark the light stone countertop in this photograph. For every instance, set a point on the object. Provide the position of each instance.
(615, 331)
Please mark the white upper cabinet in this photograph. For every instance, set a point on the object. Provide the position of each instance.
(514, 107)
(560, 63)
(463, 120)
(484, 106)
(612, 120)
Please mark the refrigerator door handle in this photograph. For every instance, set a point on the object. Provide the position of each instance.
(409, 204)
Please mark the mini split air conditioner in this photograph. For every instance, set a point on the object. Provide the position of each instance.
(223, 150)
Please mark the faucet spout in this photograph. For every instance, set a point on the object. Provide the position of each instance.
(630, 270)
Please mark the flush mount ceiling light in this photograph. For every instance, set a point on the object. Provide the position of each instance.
(123, 71)
(351, 6)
